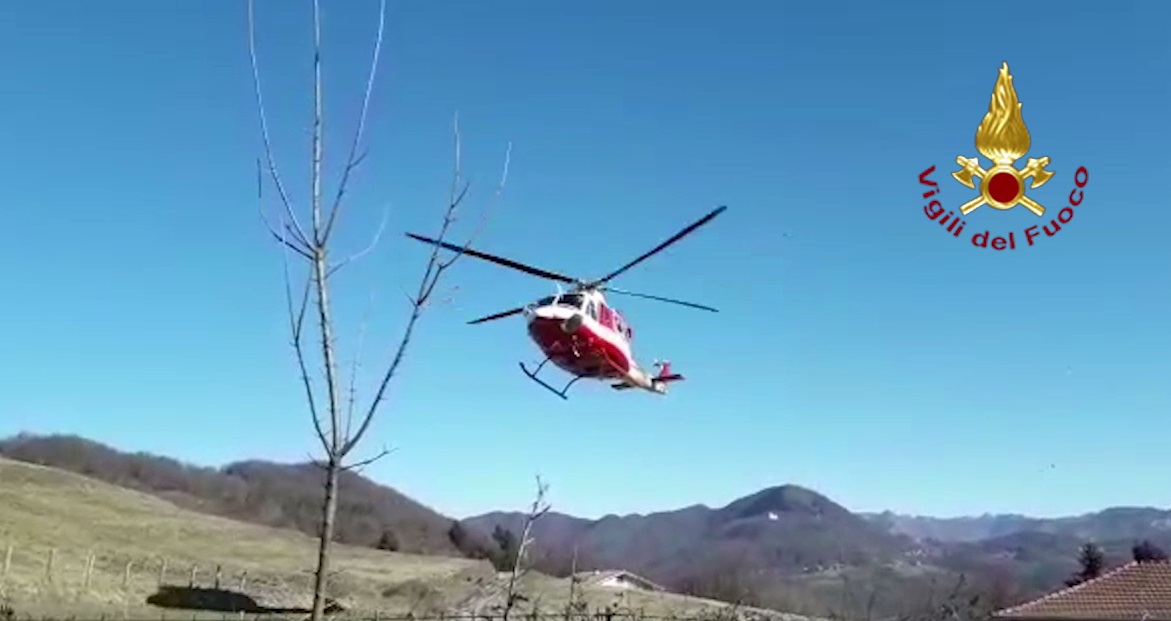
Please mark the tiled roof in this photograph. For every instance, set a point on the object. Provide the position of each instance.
(1133, 592)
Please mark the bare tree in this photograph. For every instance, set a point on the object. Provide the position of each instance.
(520, 564)
(960, 603)
(501, 598)
(576, 606)
(332, 403)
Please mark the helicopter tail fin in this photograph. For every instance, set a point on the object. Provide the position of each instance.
(665, 375)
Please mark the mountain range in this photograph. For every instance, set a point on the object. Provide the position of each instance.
(786, 546)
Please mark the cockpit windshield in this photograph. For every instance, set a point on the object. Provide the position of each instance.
(569, 300)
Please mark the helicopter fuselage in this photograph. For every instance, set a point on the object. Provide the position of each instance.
(577, 331)
(581, 335)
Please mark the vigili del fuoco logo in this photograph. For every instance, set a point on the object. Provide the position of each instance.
(1002, 138)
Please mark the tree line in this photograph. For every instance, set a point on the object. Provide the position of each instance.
(1092, 560)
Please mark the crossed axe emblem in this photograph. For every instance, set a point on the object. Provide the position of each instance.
(999, 174)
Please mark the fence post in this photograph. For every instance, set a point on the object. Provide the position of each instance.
(243, 580)
(191, 578)
(88, 572)
(126, 575)
(49, 564)
(218, 569)
(163, 572)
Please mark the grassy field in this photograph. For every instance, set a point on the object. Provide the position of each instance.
(70, 545)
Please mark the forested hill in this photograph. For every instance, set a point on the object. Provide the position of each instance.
(281, 495)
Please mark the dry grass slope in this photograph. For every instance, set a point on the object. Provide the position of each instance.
(51, 522)
(43, 510)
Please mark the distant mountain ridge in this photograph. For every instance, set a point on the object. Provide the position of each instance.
(789, 534)
(788, 528)
(1107, 524)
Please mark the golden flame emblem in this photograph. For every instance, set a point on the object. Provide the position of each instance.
(1003, 138)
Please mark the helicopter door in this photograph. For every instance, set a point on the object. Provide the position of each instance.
(605, 315)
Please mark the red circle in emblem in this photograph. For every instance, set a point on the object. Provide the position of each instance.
(1003, 187)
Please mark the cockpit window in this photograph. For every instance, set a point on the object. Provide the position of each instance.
(569, 300)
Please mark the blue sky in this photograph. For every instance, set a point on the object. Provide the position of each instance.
(860, 351)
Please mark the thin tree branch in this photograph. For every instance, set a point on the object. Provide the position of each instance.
(313, 461)
(281, 237)
(296, 327)
(353, 159)
(456, 198)
(459, 190)
(358, 465)
(492, 202)
(365, 251)
(290, 213)
(357, 364)
(431, 276)
(426, 284)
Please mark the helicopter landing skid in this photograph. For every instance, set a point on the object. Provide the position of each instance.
(533, 376)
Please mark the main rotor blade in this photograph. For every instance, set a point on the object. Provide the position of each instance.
(661, 299)
(680, 235)
(528, 269)
(500, 315)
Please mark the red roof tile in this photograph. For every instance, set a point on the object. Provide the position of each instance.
(1133, 592)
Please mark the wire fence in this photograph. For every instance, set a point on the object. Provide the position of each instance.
(60, 584)
(605, 615)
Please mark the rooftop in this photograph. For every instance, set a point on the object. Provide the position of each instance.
(1132, 592)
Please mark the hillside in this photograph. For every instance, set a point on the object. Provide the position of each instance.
(46, 513)
(52, 521)
(279, 495)
(791, 547)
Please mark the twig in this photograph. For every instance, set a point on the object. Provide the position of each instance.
(365, 251)
(354, 159)
(358, 465)
(495, 200)
(357, 364)
(431, 276)
(281, 237)
(296, 329)
(298, 230)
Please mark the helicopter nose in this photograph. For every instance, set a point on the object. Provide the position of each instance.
(572, 323)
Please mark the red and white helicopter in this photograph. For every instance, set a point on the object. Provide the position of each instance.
(579, 331)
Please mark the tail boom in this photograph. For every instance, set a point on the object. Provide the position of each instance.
(637, 378)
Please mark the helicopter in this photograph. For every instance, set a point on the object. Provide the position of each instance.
(579, 331)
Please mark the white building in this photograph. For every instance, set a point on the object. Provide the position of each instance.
(618, 579)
